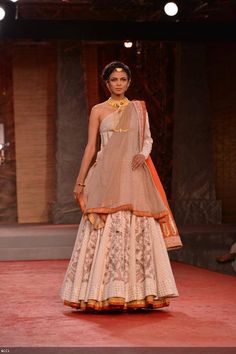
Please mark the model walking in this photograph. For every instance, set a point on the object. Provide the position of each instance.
(120, 258)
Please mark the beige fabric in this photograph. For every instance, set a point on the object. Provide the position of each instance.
(111, 184)
(127, 258)
(119, 254)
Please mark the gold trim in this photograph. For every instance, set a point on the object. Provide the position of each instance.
(173, 243)
(120, 130)
(119, 303)
(165, 229)
(126, 207)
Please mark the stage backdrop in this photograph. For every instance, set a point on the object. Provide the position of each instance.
(48, 89)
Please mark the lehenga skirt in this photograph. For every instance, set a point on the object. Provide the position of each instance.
(124, 265)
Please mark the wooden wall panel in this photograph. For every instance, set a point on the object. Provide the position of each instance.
(8, 210)
(34, 76)
(222, 77)
(91, 74)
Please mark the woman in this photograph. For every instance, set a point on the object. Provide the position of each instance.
(120, 258)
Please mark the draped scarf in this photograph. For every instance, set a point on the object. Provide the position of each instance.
(111, 185)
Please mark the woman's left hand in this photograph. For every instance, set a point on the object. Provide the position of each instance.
(138, 160)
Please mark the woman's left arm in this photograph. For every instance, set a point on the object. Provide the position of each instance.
(140, 158)
(148, 141)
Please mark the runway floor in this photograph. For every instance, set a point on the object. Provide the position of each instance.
(32, 314)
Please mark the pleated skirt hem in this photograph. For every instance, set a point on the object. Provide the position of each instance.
(123, 266)
(119, 303)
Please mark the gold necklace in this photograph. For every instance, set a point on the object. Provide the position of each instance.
(118, 103)
(121, 103)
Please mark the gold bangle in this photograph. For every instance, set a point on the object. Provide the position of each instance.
(81, 184)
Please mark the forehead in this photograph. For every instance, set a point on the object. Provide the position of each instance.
(118, 74)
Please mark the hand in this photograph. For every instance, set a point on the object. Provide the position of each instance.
(78, 191)
(138, 160)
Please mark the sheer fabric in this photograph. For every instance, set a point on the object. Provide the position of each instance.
(112, 185)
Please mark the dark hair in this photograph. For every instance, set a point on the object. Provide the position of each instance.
(109, 68)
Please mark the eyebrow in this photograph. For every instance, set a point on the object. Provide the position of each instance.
(122, 77)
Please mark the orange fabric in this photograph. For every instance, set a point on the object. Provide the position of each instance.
(156, 180)
(113, 303)
(167, 223)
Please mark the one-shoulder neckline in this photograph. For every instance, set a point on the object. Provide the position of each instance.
(108, 115)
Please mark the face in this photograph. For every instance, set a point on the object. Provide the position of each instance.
(118, 82)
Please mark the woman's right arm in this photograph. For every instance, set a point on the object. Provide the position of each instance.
(89, 150)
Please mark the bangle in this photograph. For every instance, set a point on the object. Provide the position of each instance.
(81, 184)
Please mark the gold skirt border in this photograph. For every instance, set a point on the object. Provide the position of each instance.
(118, 303)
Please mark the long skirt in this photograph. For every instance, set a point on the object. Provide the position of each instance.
(124, 265)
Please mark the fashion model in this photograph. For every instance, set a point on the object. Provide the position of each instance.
(120, 258)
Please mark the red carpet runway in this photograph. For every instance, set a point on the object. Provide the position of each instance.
(32, 314)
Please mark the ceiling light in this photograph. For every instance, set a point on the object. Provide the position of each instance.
(171, 8)
(2, 13)
(128, 44)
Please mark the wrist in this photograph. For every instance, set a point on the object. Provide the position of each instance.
(80, 184)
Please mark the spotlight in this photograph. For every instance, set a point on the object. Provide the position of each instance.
(13, 0)
(128, 44)
(171, 8)
(2, 13)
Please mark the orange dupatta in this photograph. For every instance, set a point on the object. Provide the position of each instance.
(167, 223)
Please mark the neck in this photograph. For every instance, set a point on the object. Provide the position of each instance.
(117, 97)
(118, 103)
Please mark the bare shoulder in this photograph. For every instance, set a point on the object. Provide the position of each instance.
(100, 106)
(97, 109)
(95, 112)
(100, 110)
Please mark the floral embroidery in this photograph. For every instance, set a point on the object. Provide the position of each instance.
(134, 262)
